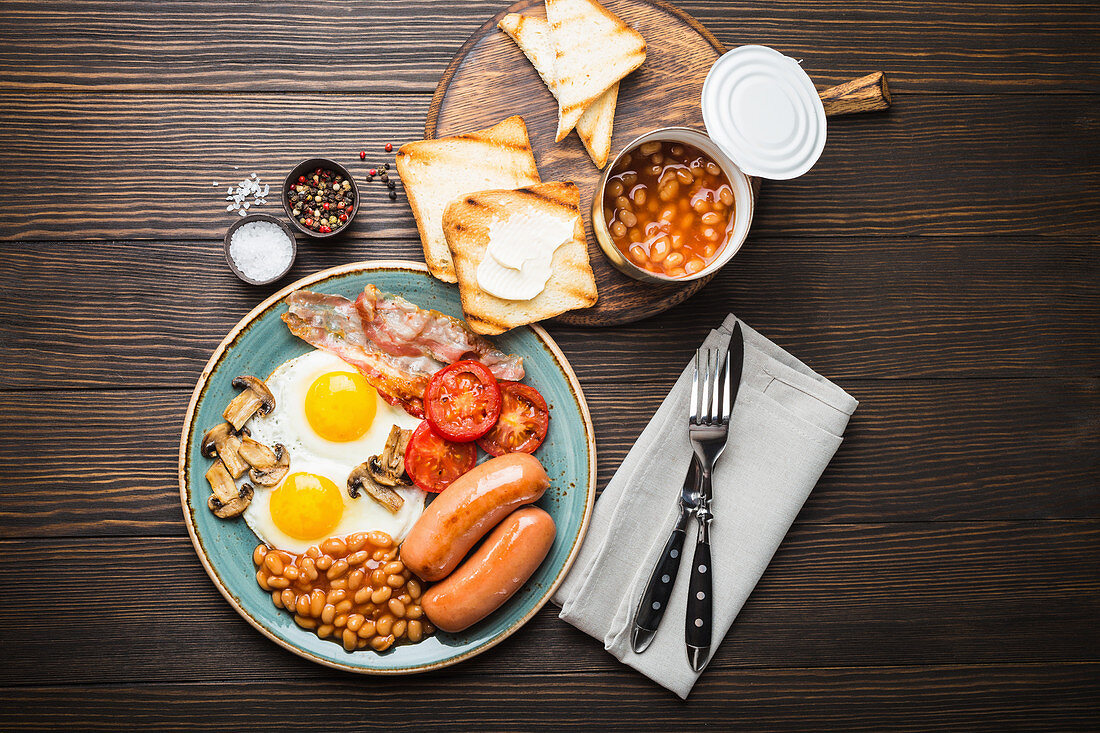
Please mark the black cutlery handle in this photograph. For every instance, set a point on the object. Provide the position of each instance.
(698, 625)
(651, 608)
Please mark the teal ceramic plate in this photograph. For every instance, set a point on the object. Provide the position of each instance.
(258, 344)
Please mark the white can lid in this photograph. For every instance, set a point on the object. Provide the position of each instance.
(762, 109)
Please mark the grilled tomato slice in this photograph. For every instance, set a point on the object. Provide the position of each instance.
(433, 462)
(462, 401)
(524, 419)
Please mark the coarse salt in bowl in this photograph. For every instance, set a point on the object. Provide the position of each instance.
(260, 249)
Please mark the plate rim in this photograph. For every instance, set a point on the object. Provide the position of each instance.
(188, 428)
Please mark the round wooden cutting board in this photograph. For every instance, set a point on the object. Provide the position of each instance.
(490, 79)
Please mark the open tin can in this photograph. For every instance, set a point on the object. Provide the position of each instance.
(764, 118)
(742, 209)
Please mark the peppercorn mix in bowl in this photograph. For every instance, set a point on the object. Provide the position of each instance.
(320, 197)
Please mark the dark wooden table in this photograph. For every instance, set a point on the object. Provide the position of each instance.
(940, 262)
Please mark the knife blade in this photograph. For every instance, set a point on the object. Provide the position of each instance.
(735, 355)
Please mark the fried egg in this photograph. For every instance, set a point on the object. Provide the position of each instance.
(331, 420)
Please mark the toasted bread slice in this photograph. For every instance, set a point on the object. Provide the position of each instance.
(596, 123)
(593, 49)
(467, 223)
(532, 35)
(435, 172)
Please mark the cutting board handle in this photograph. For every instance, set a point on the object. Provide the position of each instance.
(865, 94)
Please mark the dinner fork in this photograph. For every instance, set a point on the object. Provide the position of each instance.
(712, 400)
(708, 427)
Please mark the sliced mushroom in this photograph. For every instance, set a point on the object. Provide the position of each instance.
(268, 466)
(233, 508)
(256, 397)
(379, 475)
(227, 500)
(221, 442)
(361, 479)
(221, 482)
(388, 469)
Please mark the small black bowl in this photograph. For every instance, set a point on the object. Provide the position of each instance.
(248, 220)
(309, 166)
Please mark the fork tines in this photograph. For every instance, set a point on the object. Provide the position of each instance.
(710, 394)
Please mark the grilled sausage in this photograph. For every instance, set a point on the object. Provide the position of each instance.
(500, 567)
(467, 509)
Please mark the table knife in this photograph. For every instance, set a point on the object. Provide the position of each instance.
(654, 600)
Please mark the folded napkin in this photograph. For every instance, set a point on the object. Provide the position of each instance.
(786, 426)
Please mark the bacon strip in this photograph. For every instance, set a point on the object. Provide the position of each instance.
(396, 346)
(332, 323)
(400, 328)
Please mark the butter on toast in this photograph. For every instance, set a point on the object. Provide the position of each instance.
(467, 224)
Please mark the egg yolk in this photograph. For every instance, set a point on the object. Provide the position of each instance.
(306, 506)
(340, 406)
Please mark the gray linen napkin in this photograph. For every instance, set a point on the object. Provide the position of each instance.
(785, 428)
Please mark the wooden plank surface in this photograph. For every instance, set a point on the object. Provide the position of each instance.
(143, 165)
(941, 262)
(1052, 697)
(118, 316)
(974, 47)
(920, 451)
(847, 595)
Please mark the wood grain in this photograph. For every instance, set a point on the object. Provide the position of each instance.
(940, 262)
(978, 46)
(872, 594)
(959, 697)
(118, 316)
(870, 93)
(112, 166)
(102, 463)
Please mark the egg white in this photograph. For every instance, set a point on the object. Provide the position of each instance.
(289, 384)
(310, 453)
